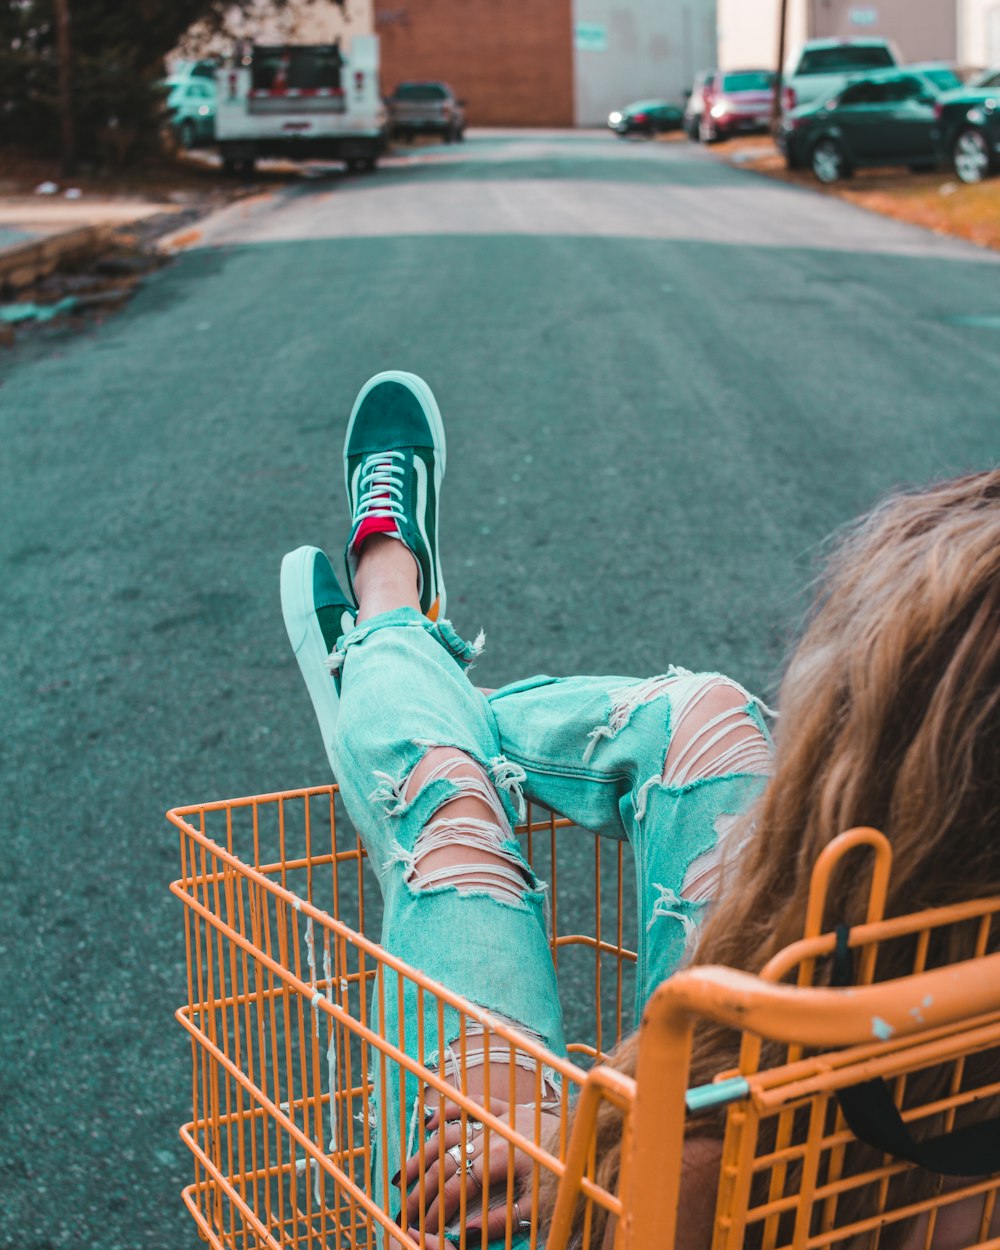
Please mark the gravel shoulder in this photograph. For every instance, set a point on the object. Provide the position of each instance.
(935, 200)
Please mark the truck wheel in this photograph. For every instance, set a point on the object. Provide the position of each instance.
(707, 132)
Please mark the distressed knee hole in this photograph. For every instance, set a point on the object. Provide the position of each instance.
(457, 852)
(467, 844)
(713, 734)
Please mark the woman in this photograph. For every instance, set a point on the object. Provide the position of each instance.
(890, 716)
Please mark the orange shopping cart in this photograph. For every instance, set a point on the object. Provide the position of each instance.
(284, 968)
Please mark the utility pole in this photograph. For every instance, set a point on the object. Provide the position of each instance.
(64, 51)
(776, 102)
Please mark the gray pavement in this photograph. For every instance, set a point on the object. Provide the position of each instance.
(664, 380)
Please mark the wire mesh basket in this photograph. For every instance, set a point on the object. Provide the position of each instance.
(282, 921)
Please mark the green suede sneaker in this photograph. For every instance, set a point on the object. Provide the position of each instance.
(317, 614)
(394, 458)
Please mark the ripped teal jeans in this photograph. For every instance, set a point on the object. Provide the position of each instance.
(597, 750)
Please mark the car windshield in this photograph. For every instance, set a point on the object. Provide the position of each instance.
(944, 79)
(753, 80)
(421, 91)
(844, 57)
(644, 106)
(989, 78)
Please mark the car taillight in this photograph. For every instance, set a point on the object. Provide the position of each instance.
(359, 80)
(938, 110)
(640, 117)
(789, 97)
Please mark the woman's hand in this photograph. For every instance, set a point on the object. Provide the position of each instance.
(464, 1155)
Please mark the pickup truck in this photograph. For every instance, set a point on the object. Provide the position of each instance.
(823, 66)
(305, 101)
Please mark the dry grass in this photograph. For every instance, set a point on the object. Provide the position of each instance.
(937, 201)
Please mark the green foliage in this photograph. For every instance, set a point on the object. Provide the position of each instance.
(118, 48)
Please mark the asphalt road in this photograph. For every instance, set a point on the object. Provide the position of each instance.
(664, 381)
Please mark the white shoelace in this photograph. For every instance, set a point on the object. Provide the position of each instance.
(380, 486)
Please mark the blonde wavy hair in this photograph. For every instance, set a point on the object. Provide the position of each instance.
(890, 716)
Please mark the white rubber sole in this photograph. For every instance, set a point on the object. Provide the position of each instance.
(426, 396)
(306, 638)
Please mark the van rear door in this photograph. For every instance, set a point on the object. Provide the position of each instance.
(286, 78)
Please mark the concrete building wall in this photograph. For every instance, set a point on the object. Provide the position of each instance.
(626, 50)
(925, 31)
(511, 60)
(979, 33)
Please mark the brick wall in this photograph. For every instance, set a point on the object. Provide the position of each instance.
(511, 60)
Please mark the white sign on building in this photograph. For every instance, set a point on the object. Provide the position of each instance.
(590, 37)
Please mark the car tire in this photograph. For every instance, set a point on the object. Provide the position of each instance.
(187, 135)
(829, 161)
(691, 129)
(970, 155)
(707, 133)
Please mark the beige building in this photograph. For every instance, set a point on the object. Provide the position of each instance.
(963, 31)
(979, 33)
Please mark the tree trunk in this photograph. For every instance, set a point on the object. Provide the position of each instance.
(64, 49)
(776, 102)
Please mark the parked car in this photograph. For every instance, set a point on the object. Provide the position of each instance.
(190, 105)
(823, 66)
(943, 75)
(969, 127)
(426, 108)
(737, 101)
(887, 118)
(988, 78)
(694, 107)
(646, 117)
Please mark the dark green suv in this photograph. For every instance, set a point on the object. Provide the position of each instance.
(969, 127)
(882, 118)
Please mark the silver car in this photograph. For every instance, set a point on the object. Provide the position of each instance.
(426, 108)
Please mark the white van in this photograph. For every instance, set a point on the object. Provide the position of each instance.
(305, 101)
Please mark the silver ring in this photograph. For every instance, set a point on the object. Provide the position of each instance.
(462, 1154)
(472, 1128)
(520, 1225)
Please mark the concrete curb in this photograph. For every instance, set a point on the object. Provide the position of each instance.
(23, 264)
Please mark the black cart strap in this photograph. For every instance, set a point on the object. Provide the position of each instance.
(872, 1115)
